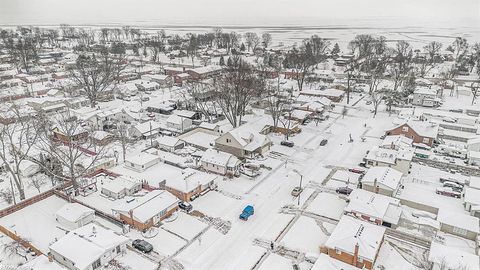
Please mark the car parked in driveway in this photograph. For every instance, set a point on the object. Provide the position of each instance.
(287, 143)
(142, 245)
(344, 190)
(296, 191)
(323, 142)
(356, 170)
(187, 207)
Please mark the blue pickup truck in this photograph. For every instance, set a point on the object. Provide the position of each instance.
(247, 212)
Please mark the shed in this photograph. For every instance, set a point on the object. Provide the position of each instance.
(74, 215)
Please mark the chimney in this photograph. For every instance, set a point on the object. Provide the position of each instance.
(375, 186)
(183, 69)
(355, 255)
(50, 257)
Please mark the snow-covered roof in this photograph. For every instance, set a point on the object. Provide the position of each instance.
(425, 91)
(120, 183)
(41, 263)
(397, 141)
(74, 212)
(324, 262)
(168, 141)
(384, 175)
(189, 180)
(141, 158)
(350, 232)
(370, 204)
(383, 155)
(146, 207)
(100, 135)
(459, 220)
(422, 128)
(87, 244)
(213, 156)
(184, 113)
(209, 126)
(453, 258)
(147, 126)
(472, 196)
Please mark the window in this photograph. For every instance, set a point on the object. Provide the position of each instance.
(459, 231)
(405, 129)
(337, 251)
(426, 140)
(96, 264)
(118, 249)
(360, 259)
(228, 140)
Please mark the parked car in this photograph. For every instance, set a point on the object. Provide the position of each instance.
(142, 245)
(145, 99)
(448, 191)
(247, 212)
(287, 143)
(454, 186)
(356, 170)
(344, 190)
(323, 142)
(296, 191)
(187, 207)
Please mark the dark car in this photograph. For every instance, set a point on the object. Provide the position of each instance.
(142, 245)
(287, 143)
(323, 142)
(344, 190)
(356, 170)
(185, 206)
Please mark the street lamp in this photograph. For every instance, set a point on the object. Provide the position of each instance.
(301, 179)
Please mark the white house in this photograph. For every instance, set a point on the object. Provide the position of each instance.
(88, 247)
(424, 96)
(220, 162)
(447, 257)
(243, 143)
(382, 157)
(141, 161)
(145, 130)
(170, 144)
(179, 123)
(382, 180)
(471, 201)
(459, 224)
(121, 187)
(74, 215)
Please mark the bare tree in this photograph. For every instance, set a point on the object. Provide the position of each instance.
(236, 89)
(70, 147)
(475, 91)
(192, 48)
(16, 142)
(123, 137)
(95, 75)
(23, 50)
(198, 97)
(16, 248)
(376, 98)
(266, 39)
(427, 62)
(37, 181)
(252, 40)
(300, 62)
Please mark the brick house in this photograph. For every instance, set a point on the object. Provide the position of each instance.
(147, 211)
(419, 131)
(355, 242)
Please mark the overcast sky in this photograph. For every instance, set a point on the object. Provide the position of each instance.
(237, 12)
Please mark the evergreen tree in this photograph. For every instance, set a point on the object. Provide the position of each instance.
(242, 47)
(336, 49)
(229, 62)
(222, 61)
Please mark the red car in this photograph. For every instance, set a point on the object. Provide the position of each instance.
(356, 170)
(448, 191)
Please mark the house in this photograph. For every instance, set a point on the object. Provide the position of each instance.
(199, 138)
(210, 126)
(419, 131)
(374, 208)
(141, 161)
(145, 130)
(381, 157)
(201, 73)
(42, 262)
(473, 144)
(382, 180)
(473, 158)
(74, 215)
(98, 247)
(332, 94)
(120, 187)
(324, 262)
(144, 212)
(427, 97)
(471, 201)
(169, 144)
(243, 143)
(355, 242)
(163, 80)
(190, 183)
(101, 138)
(78, 135)
(220, 162)
(458, 224)
(396, 142)
(146, 86)
(179, 123)
(448, 257)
